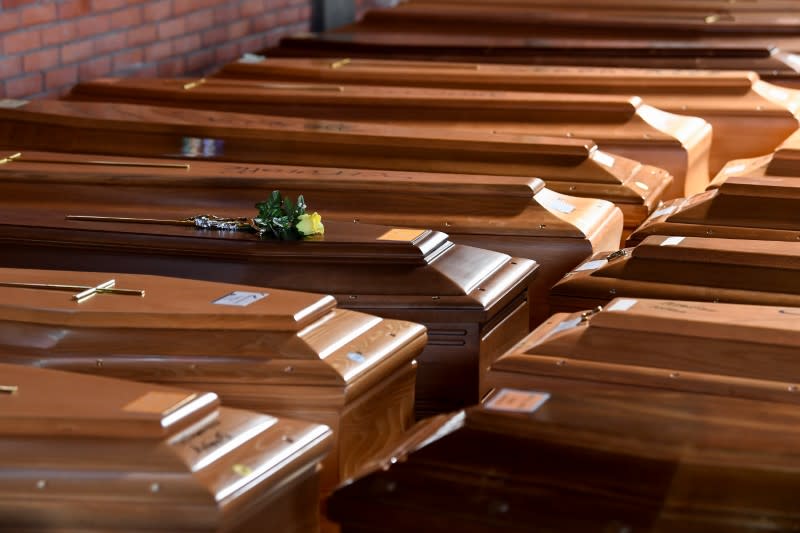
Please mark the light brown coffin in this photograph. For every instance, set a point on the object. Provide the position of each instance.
(722, 7)
(284, 353)
(619, 124)
(750, 117)
(512, 215)
(745, 351)
(473, 301)
(770, 63)
(741, 208)
(586, 462)
(148, 131)
(82, 453)
(686, 268)
(783, 162)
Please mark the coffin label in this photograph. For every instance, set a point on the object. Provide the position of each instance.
(397, 234)
(591, 265)
(672, 241)
(623, 304)
(240, 298)
(10, 103)
(197, 147)
(663, 211)
(157, 402)
(250, 58)
(516, 401)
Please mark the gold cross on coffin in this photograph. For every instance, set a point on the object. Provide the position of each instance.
(85, 291)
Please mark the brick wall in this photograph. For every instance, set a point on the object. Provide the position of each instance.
(46, 46)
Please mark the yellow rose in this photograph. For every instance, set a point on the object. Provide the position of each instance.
(310, 224)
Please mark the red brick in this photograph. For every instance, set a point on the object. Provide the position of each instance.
(179, 7)
(141, 35)
(11, 4)
(40, 60)
(227, 53)
(127, 59)
(172, 67)
(24, 86)
(148, 71)
(126, 18)
(198, 61)
(226, 12)
(38, 14)
(252, 8)
(288, 16)
(157, 51)
(95, 68)
(214, 36)
(183, 45)
(73, 8)
(199, 20)
(107, 5)
(10, 66)
(94, 25)
(61, 77)
(9, 20)
(72, 52)
(110, 43)
(264, 22)
(59, 33)
(155, 11)
(238, 29)
(171, 28)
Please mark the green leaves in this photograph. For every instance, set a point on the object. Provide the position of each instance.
(278, 217)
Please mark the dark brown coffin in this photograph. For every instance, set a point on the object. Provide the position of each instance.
(619, 124)
(586, 462)
(508, 214)
(686, 268)
(745, 351)
(750, 117)
(666, 7)
(473, 301)
(148, 131)
(740, 208)
(285, 353)
(83, 453)
(771, 63)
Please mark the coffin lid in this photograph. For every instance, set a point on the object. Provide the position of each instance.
(167, 303)
(38, 402)
(611, 108)
(128, 118)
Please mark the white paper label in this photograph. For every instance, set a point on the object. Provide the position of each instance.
(251, 58)
(11, 103)
(561, 206)
(623, 304)
(591, 265)
(663, 211)
(734, 169)
(516, 401)
(672, 241)
(240, 298)
(604, 159)
(356, 357)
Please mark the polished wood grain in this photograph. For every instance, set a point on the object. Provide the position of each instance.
(749, 117)
(619, 124)
(773, 65)
(509, 214)
(783, 162)
(691, 268)
(586, 461)
(77, 455)
(744, 351)
(428, 279)
(740, 208)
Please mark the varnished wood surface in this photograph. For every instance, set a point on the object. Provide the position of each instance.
(773, 65)
(587, 461)
(692, 268)
(211, 470)
(740, 208)
(618, 124)
(749, 117)
(714, 348)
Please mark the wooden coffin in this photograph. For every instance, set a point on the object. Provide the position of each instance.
(90, 454)
(749, 117)
(508, 214)
(578, 461)
(619, 124)
(473, 301)
(722, 7)
(745, 351)
(278, 352)
(686, 268)
(147, 131)
(740, 208)
(783, 162)
(769, 62)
